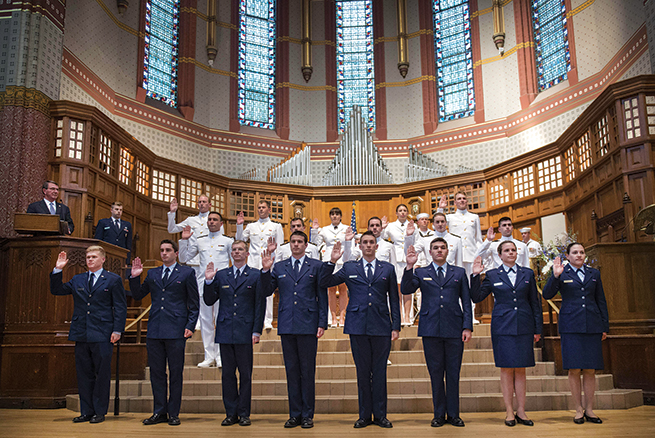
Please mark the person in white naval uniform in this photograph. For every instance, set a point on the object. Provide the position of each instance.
(395, 232)
(325, 238)
(258, 233)
(422, 221)
(212, 247)
(488, 251)
(385, 252)
(534, 247)
(464, 224)
(284, 251)
(422, 244)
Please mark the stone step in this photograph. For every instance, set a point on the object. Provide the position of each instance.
(397, 404)
(479, 330)
(345, 357)
(467, 385)
(331, 372)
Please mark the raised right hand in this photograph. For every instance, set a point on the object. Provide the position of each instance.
(443, 202)
(137, 267)
(186, 232)
(350, 234)
(478, 267)
(240, 218)
(558, 267)
(337, 252)
(173, 206)
(490, 234)
(267, 260)
(62, 260)
(410, 228)
(315, 224)
(210, 272)
(412, 257)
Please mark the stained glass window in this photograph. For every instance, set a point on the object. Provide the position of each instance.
(355, 75)
(161, 50)
(551, 42)
(257, 44)
(452, 42)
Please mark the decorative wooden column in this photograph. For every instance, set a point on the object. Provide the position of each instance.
(476, 54)
(282, 69)
(331, 119)
(234, 69)
(528, 86)
(186, 74)
(380, 74)
(428, 68)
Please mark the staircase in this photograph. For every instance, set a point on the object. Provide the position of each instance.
(336, 385)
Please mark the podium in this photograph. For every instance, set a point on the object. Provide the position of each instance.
(37, 361)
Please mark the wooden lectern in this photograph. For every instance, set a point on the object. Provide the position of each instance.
(39, 224)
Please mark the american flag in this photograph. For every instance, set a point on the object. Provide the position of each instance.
(353, 220)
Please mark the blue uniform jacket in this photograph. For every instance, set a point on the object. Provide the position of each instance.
(241, 306)
(584, 309)
(303, 304)
(517, 309)
(441, 314)
(97, 313)
(368, 305)
(40, 207)
(107, 232)
(174, 304)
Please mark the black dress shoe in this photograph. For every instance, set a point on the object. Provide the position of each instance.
(524, 422)
(156, 419)
(578, 420)
(244, 421)
(455, 421)
(174, 421)
(383, 422)
(307, 423)
(510, 423)
(230, 420)
(82, 418)
(97, 419)
(592, 419)
(438, 422)
(292, 422)
(360, 423)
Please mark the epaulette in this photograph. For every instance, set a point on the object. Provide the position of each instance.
(455, 235)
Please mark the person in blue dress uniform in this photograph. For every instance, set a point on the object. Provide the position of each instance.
(583, 325)
(516, 323)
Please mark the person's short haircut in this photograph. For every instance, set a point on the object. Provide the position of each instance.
(45, 184)
(374, 218)
(335, 210)
(117, 204)
(368, 233)
(461, 193)
(96, 248)
(264, 201)
(173, 244)
(203, 195)
(240, 242)
(439, 214)
(299, 233)
(296, 219)
(216, 213)
(438, 239)
(504, 219)
(571, 245)
(504, 242)
(401, 205)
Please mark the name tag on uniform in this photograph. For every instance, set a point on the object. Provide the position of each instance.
(427, 279)
(106, 228)
(352, 276)
(568, 281)
(498, 284)
(227, 286)
(281, 276)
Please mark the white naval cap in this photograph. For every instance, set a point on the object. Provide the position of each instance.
(525, 230)
(422, 216)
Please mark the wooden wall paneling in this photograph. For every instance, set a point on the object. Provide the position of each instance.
(126, 198)
(609, 200)
(636, 157)
(160, 213)
(632, 361)
(524, 211)
(157, 234)
(140, 233)
(551, 204)
(142, 206)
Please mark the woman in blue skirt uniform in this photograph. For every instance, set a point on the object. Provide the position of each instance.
(583, 325)
(516, 323)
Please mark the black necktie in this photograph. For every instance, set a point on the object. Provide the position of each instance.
(116, 224)
(369, 271)
(581, 274)
(238, 273)
(297, 267)
(91, 275)
(167, 273)
(440, 274)
(511, 270)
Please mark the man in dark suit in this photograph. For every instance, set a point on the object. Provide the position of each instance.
(97, 323)
(238, 327)
(372, 288)
(49, 205)
(302, 320)
(172, 320)
(444, 324)
(114, 230)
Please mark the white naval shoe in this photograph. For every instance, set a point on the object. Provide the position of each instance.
(206, 363)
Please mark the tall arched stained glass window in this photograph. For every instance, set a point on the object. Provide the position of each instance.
(355, 75)
(551, 42)
(452, 42)
(257, 44)
(161, 50)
